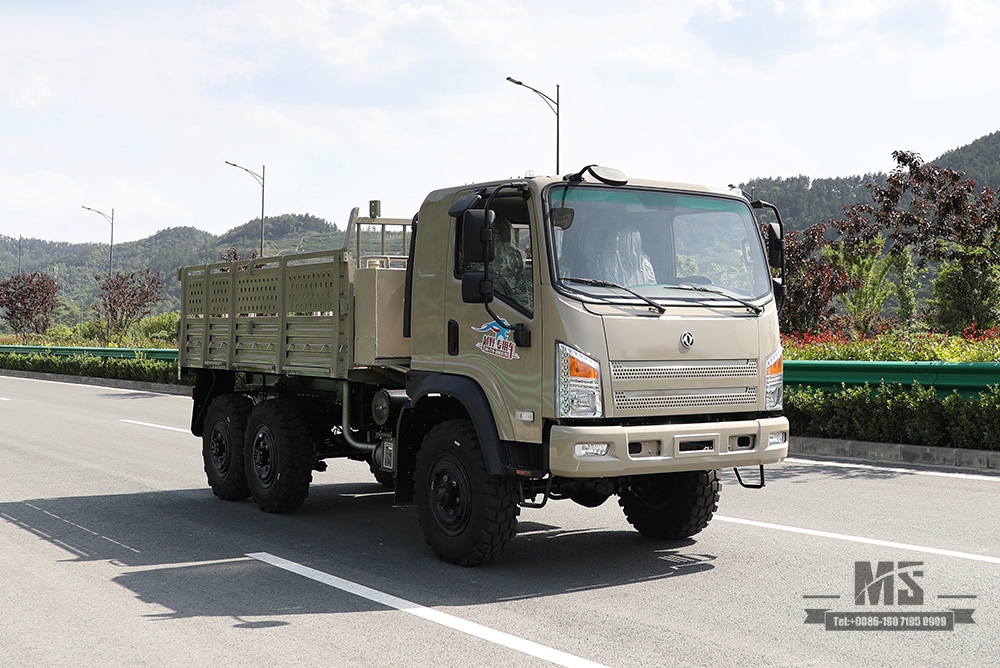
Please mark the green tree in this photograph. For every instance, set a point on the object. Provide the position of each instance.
(906, 298)
(870, 271)
(965, 294)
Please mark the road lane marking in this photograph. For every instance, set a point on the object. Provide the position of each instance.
(81, 528)
(876, 467)
(860, 539)
(4, 399)
(188, 564)
(157, 426)
(457, 623)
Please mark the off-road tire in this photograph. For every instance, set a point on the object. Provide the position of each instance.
(671, 505)
(467, 515)
(222, 446)
(278, 453)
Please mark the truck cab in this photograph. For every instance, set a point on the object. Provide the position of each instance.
(624, 328)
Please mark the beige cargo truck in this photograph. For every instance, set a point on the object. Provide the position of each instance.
(575, 337)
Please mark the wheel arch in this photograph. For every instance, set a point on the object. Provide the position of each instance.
(434, 399)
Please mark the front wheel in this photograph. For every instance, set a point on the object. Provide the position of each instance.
(671, 505)
(466, 514)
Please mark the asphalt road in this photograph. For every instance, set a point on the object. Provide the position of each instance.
(113, 552)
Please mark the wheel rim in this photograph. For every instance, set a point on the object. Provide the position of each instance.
(220, 449)
(451, 495)
(262, 456)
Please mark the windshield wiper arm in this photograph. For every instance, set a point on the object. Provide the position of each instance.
(715, 291)
(608, 284)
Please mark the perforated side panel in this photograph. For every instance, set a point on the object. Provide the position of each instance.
(312, 289)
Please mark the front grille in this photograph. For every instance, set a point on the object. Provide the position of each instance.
(716, 369)
(647, 400)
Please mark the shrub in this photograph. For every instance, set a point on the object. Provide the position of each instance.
(121, 368)
(894, 413)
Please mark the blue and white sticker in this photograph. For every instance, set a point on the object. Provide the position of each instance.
(496, 340)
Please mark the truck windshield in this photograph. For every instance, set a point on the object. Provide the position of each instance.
(661, 245)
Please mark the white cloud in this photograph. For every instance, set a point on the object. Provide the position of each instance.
(346, 101)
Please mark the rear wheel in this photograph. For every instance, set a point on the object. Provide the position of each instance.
(671, 505)
(467, 515)
(278, 453)
(222, 446)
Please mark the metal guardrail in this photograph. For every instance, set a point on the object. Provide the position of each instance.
(966, 377)
(166, 354)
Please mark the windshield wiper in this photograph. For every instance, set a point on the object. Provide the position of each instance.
(757, 310)
(608, 284)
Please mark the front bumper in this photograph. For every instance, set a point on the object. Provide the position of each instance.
(666, 448)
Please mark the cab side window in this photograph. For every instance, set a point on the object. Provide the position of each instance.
(512, 263)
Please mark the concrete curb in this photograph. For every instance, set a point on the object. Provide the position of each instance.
(895, 453)
(162, 388)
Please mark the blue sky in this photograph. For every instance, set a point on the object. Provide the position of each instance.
(137, 106)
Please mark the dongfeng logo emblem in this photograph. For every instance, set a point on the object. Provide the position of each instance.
(687, 340)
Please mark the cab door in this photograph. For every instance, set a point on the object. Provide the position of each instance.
(485, 348)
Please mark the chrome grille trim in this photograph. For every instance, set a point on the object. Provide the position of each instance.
(646, 400)
(720, 369)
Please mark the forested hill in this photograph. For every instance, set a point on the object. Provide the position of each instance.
(804, 201)
(74, 266)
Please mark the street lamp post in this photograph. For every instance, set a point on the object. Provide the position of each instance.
(111, 251)
(552, 104)
(260, 180)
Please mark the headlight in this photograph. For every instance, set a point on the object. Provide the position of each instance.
(774, 382)
(578, 384)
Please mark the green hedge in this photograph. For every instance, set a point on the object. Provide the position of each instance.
(889, 413)
(139, 369)
(894, 413)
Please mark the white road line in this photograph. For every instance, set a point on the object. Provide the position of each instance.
(4, 399)
(876, 467)
(157, 426)
(859, 539)
(457, 623)
(188, 564)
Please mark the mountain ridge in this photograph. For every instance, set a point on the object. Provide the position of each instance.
(801, 199)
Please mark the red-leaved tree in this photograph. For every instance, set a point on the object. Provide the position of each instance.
(125, 298)
(27, 302)
(813, 281)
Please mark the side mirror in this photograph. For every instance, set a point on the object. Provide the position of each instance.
(477, 235)
(476, 289)
(775, 246)
(562, 217)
